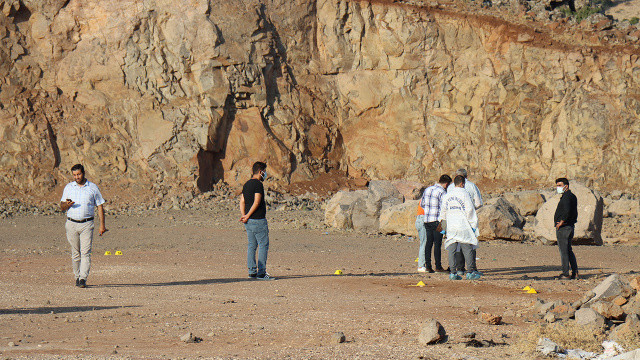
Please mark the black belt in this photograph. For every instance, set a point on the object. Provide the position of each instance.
(80, 221)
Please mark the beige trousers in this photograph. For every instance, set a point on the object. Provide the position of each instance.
(80, 237)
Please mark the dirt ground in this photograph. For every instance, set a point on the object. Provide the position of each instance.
(624, 9)
(185, 272)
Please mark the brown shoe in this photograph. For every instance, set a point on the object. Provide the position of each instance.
(563, 277)
(440, 269)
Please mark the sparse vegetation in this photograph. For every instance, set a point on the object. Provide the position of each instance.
(586, 11)
(634, 20)
(569, 335)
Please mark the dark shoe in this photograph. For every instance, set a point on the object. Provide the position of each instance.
(77, 282)
(429, 269)
(574, 276)
(82, 283)
(440, 269)
(563, 277)
(252, 276)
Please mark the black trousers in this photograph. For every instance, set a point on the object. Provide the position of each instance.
(567, 257)
(434, 240)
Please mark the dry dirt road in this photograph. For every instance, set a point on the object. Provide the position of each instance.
(185, 272)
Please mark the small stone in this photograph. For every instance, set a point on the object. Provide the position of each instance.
(491, 319)
(620, 300)
(547, 347)
(432, 332)
(338, 338)
(12, 344)
(470, 335)
(189, 338)
(589, 317)
(550, 317)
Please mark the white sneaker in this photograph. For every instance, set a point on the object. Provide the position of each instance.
(422, 269)
(265, 277)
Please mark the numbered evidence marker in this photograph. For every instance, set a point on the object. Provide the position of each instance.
(107, 252)
(118, 252)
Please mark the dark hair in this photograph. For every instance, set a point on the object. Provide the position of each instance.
(564, 181)
(459, 179)
(445, 179)
(258, 166)
(77, 167)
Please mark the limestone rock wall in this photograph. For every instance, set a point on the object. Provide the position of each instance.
(154, 94)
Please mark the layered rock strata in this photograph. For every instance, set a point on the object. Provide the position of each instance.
(150, 94)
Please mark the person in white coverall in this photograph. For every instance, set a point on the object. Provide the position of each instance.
(474, 192)
(461, 229)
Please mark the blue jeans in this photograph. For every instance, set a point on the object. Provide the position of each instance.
(258, 238)
(422, 235)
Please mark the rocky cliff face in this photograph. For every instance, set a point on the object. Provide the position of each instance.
(150, 94)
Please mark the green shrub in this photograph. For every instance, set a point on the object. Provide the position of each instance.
(586, 11)
(634, 20)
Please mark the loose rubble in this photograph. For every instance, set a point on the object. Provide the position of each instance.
(597, 310)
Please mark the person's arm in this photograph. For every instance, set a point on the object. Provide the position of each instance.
(65, 205)
(241, 205)
(256, 202)
(103, 228)
(563, 212)
(65, 202)
(443, 208)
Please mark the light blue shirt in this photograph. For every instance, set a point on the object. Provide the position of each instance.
(85, 197)
(473, 191)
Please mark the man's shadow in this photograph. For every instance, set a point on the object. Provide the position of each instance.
(60, 309)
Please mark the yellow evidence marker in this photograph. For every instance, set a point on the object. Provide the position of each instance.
(107, 252)
(417, 259)
(532, 291)
(419, 284)
(526, 288)
(338, 272)
(118, 252)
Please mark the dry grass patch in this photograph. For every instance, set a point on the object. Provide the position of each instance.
(568, 334)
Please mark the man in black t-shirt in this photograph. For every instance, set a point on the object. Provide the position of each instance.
(254, 211)
(564, 219)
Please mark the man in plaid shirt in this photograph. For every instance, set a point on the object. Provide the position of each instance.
(430, 202)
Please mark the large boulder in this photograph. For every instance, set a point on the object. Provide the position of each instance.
(498, 219)
(411, 190)
(525, 202)
(624, 207)
(588, 229)
(610, 288)
(400, 219)
(361, 209)
(365, 214)
(338, 211)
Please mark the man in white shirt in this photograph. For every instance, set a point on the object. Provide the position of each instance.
(473, 190)
(459, 213)
(79, 200)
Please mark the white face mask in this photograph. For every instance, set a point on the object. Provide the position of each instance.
(264, 175)
(560, 189)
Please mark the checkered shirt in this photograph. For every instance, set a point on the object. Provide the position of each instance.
(430, 202)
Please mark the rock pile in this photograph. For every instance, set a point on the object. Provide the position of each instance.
(612, 307)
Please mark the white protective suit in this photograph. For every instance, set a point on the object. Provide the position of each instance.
(458, 210)
(473, 191)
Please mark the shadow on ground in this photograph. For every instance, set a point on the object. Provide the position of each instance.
(60, 309)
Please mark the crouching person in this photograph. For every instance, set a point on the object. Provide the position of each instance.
(461, 229)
